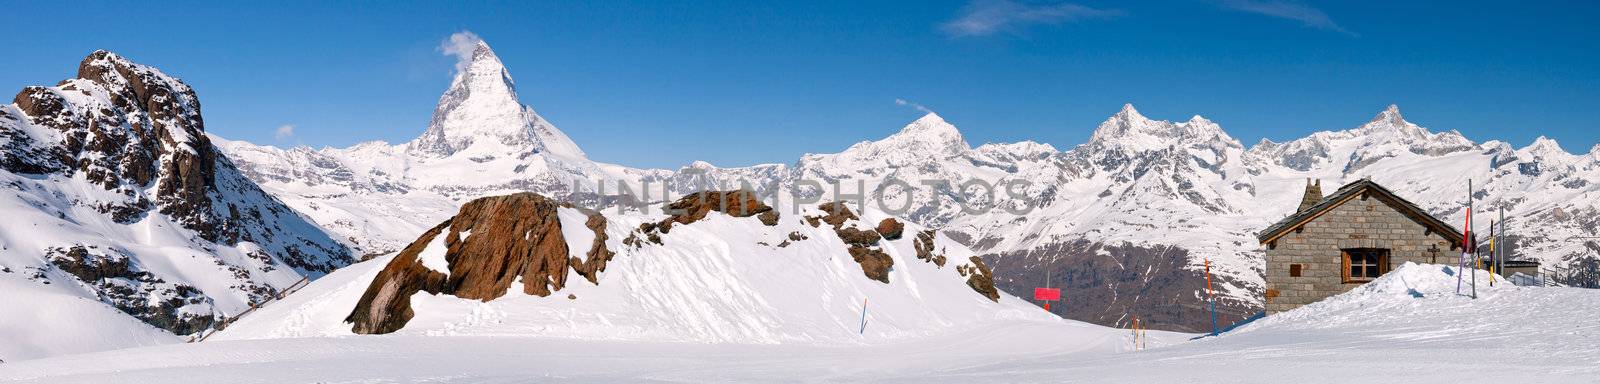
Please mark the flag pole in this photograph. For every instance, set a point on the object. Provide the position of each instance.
(1474, 246)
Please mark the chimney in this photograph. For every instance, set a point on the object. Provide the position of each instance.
(1312, 196)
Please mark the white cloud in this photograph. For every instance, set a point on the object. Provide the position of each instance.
(987, 17)
(1287, 9)
(918, 107)
(284, 132)
(460, 44)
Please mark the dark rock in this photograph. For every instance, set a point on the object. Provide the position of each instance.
(890, 228)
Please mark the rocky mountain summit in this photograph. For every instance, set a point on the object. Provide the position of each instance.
(116, 195)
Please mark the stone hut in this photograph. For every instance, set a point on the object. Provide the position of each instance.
(1335, 243)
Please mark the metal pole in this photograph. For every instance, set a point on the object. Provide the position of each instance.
(1472, 264)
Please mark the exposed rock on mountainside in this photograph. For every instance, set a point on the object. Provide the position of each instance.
(494, 242)
(925, 248)
(115, 193)
(891, 228)
(490, 244)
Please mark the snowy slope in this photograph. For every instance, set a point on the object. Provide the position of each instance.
(1409, 326)
(722, 279)
(124, 226)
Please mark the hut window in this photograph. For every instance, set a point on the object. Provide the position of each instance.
(1294, 270)
(1365, 264)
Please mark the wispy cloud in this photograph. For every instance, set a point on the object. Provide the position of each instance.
(987, 17)
(284, 132)
(461, 45)
(1287, 9)
(913, 105)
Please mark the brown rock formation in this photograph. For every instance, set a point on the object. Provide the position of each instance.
(924, 247)
(694, 207)
(981, 279)
(874, 263)
(510, 236)
(386, 305)
(863, 243)
(736, 203)
(890, 228)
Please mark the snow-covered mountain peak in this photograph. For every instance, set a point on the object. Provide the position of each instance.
(1543, 148)
(481, 107)
(928, 137)
(1128, 113)
(930, 132)
(1390, 120)
(1132, 131)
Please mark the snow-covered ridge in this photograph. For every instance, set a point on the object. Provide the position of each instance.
(721, 278)
(125, 226)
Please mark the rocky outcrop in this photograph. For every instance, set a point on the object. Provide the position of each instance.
(694, 207)
(595, 260)
(737, 203)
(925, 249)
(891, 229)
(122, 145)
(863, 243)
(491, 243)
(980, 278)
(118, 281)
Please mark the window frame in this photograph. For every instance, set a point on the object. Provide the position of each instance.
(1379, 262)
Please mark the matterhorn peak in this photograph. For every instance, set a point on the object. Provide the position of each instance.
(481, 107)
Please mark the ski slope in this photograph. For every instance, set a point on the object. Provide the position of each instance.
(1408, 326)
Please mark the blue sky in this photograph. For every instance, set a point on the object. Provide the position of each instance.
(659, 84)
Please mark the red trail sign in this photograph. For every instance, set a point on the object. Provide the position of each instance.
(1047, 294)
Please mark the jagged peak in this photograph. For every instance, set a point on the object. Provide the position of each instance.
(482, 105)
(1129, 114)
(1543, 146)
(1128, 128)
(1595, 150)
(1390, 114)
(1390, 119)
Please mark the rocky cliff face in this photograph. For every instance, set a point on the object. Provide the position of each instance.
(117, 194)
(490, 244)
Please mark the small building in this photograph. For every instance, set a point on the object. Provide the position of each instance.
(1335, 243)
